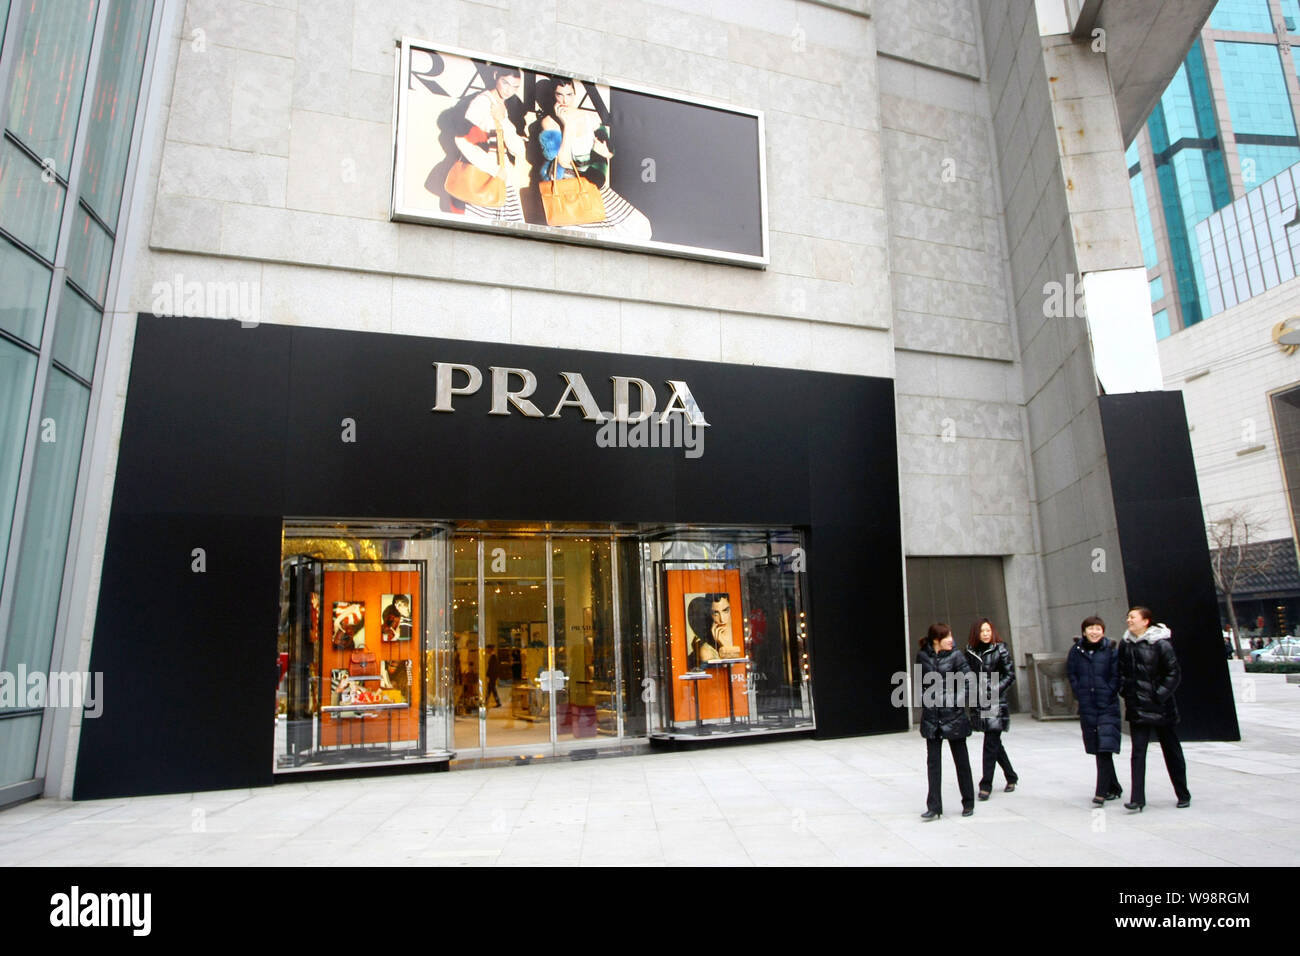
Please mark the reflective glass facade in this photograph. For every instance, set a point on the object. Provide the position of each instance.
(1224, 127)
(1245, 15)
(69, 114)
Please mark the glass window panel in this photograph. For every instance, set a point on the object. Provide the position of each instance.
(112, 107)
(30, 207)
(1282, 256)
(89, 250)
(45, 530)
(24, 292)
(19, 737)
(1162, 324)
(1250, 15)
(1157, 289)
(1269, 268)
(76, 334)
(1291, 15)
(50, 77)
(1253, 83)
(17, 375)
(4, 16)
(1261, 163)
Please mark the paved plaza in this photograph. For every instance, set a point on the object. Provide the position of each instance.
(802, 802)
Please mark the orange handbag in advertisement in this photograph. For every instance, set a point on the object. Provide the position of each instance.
(571, 202)
(469, 184)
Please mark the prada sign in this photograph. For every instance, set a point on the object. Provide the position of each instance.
(515, 387)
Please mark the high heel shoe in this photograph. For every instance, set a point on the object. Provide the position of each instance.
(1134, 806)
(984, 794)
(1098, 801)
(1010, 787)
(1114, 794)
(1184, 803)
(931, 815)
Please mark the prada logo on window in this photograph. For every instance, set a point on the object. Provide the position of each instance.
(515, 388)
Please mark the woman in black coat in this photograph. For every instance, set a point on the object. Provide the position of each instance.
(1149, 675)
(946, 691)
(989, 656)
(1093, 669)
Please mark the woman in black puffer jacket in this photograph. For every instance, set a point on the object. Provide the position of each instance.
(946, 692)
(1149, 675)
(1093, 669)
(988, 655)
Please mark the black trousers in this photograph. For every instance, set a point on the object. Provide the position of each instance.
(1107, 780)
(995, 754)
(934, 769)
(1174, 761)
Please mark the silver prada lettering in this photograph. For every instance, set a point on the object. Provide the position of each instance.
(582, 398)
(444, 389)
(576, 394)
(519, 399)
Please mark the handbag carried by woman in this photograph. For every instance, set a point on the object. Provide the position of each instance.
(469, 184)
(572, 201)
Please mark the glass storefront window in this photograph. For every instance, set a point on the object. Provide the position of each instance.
(362, 631)
(30, 206)
(45, 529)
(19, 738)
(112, 108)
(547, 642)
(76, 334)
(50, 78)
(24, 293)
(732, 656)
(17, 376)
(89, 250)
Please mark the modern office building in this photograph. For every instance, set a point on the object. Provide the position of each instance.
(1241, 388)
(1213, 178)
(1225, 125)
(455, 382)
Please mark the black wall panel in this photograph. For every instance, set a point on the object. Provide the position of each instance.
(1166, 557)
(228, 430)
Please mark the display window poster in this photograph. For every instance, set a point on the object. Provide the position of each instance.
(349, 624)
(372, 675)
(705, 624)
(489, 143)
(396, 624)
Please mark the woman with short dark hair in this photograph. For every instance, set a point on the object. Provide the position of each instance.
(1149, 675)
(1093, 669)
(943, 717)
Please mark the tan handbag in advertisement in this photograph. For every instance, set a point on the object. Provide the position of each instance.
(469, 184)
(571, 202)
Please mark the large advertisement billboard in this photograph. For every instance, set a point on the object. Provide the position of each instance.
(494, 144)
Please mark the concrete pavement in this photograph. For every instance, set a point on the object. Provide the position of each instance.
(802, 802)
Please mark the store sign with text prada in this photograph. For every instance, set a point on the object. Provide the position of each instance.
(516, 388)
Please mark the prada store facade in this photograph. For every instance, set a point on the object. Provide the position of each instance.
(384, 551)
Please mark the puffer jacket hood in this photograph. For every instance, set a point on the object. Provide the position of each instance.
(1149, 676)
(1156, 632)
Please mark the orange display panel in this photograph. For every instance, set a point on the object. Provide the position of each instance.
(705, 624)
(371, 643)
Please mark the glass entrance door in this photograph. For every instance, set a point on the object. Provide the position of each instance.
(517, 657)
(535, 636)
